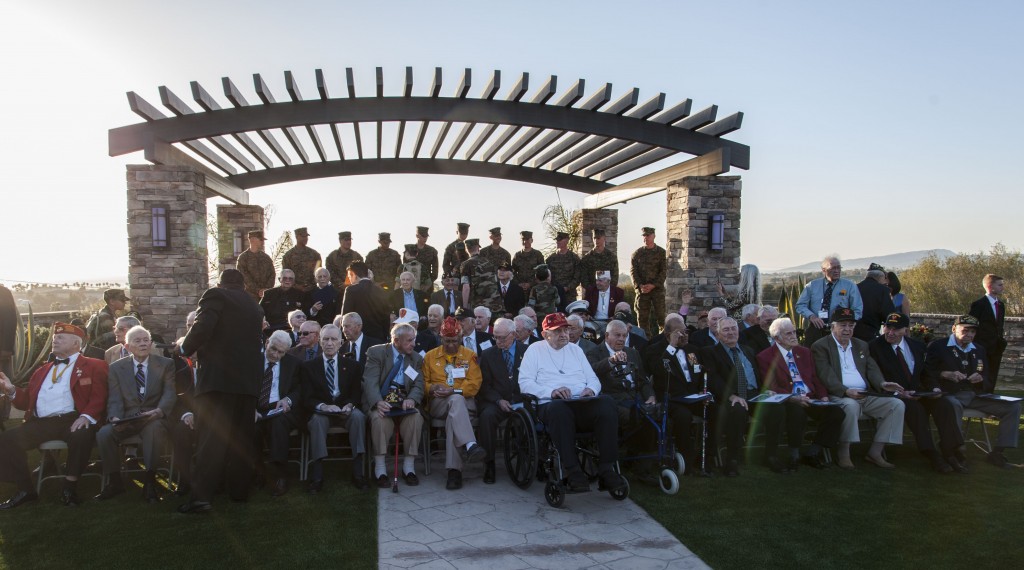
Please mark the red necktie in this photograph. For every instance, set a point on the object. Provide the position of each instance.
(999, 311)
(903, 363)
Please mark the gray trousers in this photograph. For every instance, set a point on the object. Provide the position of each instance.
(458, 430)
(1008, 414)
(382, 431)
(888, 412)
(153, 434)
(355, 423)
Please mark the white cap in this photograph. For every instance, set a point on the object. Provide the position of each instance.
(603, 275)
(407, 316)
(580, 305)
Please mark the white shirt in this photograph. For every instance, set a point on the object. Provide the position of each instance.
(544, 369)
(851, 376)
(906, 353)
(680, 355)
(601, 310)
(471, 345)
(55, 398)
(357, 347)
(275, 384)
(992, 301)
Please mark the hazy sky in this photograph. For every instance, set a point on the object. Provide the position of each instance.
(874, 127)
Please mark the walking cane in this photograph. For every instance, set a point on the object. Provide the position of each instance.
(394, 484)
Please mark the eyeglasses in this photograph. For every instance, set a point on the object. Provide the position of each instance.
(306, 333)
(287, 279)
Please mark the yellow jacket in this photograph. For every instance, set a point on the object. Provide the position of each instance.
(434, 374)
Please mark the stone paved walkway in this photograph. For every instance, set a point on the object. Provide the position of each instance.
(501, 527)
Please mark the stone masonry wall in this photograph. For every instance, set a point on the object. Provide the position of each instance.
(606, 218)
(233, 218)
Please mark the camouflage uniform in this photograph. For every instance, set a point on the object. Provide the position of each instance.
(384, 263)
(338, 262)
(258, 270)
(482, 278)
(565, 272)
(544, 299)
(649, 266)
(496, 255)
(101, 323)
(303, 261)
(454, 255)
(428, 261)
(524, 266)
(416, 268)
(593, 262)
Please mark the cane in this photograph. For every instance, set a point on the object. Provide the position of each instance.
(394, 484)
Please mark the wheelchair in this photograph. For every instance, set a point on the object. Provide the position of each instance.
(530, 453)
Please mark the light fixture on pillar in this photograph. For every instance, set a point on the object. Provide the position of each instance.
(716, 232)
(237, 242)
(161, 239)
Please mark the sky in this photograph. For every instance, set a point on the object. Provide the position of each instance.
(874, 127)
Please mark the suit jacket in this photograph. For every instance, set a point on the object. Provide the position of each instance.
(637, 342)
(380, 360)
(88, 388)
(290, 382)
(123, 394)
(702, 339)
(885, 356)
(439, 298)
(722, 372)
(616, 296)
(991, 334)
(585, 345)
(877, 300)
(367, 342)
(397, 301)
(830, 368)
(672, 377)
(613, 386)
(497, 384)
(314, 381)
(844, 294)
(114, 353)
(277, 303)
(372, 304)
(227, 339)
(299, 352)
(331, 299)
(756, 338)
(775, 371)
(940, 357)
(426, 341)
(514, 299)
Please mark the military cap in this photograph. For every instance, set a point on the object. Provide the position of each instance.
(561, 235)
(966, 320)
(897, 321)
(114, 295)
(597, 232)
(464, 313)
(495, 231)
(410, 248)
(648, 231)
(67, 328)
(384, 236)
(526, 234)
(463, 227)
(541, 266)
(257, 234)
(599, 275)
(344, 235)
(842, 314)
(625, 317)
(875, 267)
(580, 306)
(449, 275)
(301, 232)
(134, 314)
(504, 266)
(423, 231)
(472, 242)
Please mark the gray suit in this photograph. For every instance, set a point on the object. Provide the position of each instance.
(379, 362)
(123, 401)
(887, 410)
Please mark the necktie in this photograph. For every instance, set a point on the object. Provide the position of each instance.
(140, 381)
(330, 376)
(451, 302)
(999, 311)
(268, 382)
(504, 290)
(741, 374)
(508, 361)
(396, 368)
(826, 300)
(903, 362)
(469, 343)
(601, 302)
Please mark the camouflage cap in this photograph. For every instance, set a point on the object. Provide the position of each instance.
(597, 232)
(301, 232)
(423, 231)
(384, 236)
(648, 231)
(966, 321)
(463, 227)
(472, 242)
(410, 248)
(256, 234)
(495, 231)
(344, 235)
(561, 235)
(526, 234)
(114, 295)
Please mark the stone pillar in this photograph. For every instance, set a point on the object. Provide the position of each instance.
(234, 221)
(691, 263)
(606, 218)
(166, 280)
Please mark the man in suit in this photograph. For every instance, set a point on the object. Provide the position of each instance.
(621, 372)
(991, 314)
(705, 338)
(472, 339)
(842, 363)
(732, 368)
(901, 360)
(356, 343)
(512, 297)
(138, 387)
(576, 326)
(526, 328)
(877, 300)
(68, 409)
(407, 296)
(757, 336)
(788, 368)
(602, 297)
(821, 297)
(277, 408)
(961, 368)
(278, 302)
(309, 342)
(392, 389)
(227, 339)
(324, 300)
(367, 299)
(448, 297)
(182, 421)
(430, 337)
(499, 366)
(119, 350)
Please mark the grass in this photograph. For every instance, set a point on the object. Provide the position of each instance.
(337, 528)
(909, 517)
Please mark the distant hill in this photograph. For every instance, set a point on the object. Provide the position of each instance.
(892, 261)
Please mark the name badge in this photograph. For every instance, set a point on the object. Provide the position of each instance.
(410, 372)
(823, 314)
(485, 345)
(458, 372)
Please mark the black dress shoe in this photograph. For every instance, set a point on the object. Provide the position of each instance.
(411, 479)
(957, 466)
(359, 482)
(382, 482)
(612, 482)
(69, 498)
(732, 468)
(776, 465)
(489, 472)
(940, 465)
(19, 498)
(454, 480)
(280, 487)
(477, 453)
(315, 486)
(110, 491)
(150, 493)
(814, 461)
(577, 483)
(195, 508)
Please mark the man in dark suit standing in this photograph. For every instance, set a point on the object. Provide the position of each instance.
(960, 368)
(512, 296)
(407, 296)
(227, 338)
(367, 299)
(277, 407)
(141, 386)
(991, 314)
(901, 360)
(333, 393)
(499, 366)
(877, 299)
(447, 297)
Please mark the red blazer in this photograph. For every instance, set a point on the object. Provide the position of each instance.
(776, 376)
(615, 297)
(88, 388)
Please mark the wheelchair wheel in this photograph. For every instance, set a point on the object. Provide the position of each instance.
(668, 481)
(554, 494)
(679, 464)
(520, 449)
(621, 494)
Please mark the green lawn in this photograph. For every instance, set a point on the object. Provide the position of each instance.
(909, 517)
(335, 529)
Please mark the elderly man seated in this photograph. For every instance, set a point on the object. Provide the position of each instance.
(309, 341)
(119, 350)
(558, 373)
(500, 388)
(276, 406)
(452, 376)
(140, 387)
(279, 302)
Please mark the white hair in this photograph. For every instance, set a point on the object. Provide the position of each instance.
(137, 330)
(280, 339)
(775, 329)
(402, 329)
(435, 308)
(353, 318)
(486, 311)
(722, 322)
(505, 326)
(575, 320)
(749, 288)
(718, 311)
(128, 321)
(525, 321)
(768, 309)
(750, 310)
(616, 324)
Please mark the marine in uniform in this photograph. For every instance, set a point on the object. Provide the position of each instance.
(648, 267)
(525, 262)
(565, 267)
(494, 252)
(455, 252)
(427, 256)
(544, 296)
(598, 259)
(303, 261)
(384, 262)
(412, 265)
(256, 266)
(479, 280)
(339, 260)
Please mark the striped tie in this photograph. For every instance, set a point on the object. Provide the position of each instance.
(330, 376)
(508, 361)
(140, 381)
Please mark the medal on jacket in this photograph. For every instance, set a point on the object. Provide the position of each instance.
(694, 365)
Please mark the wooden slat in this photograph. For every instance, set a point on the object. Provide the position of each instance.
(515, 94)
(711, 164)
(159, 152)
(578, 151)
(723, 126)
(581, 156)
(593, 103)
(263, 92)
(616, 158)
(563, 145)
(435, 90)
(350, 85)
(464, 83)
(635, 163)
(406, 92)
(142, 108)
(179, 108)
(492, 86)
(293, 91)
(569, 98)
(321, 87)
(460, 138)
(699, 119)
(649, 108)
(624, 103)
(674, 113)
(208, 103)
(238, 100)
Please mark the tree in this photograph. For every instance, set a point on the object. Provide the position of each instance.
(558, 219)
(949, 286)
